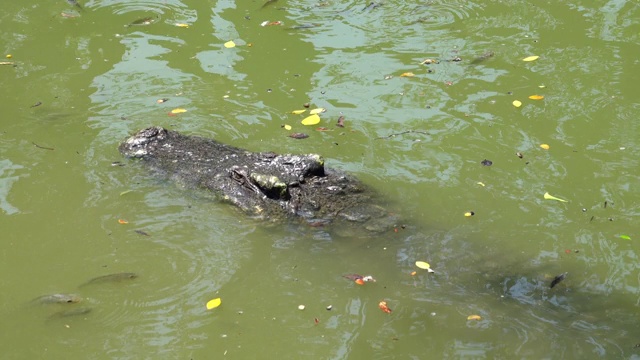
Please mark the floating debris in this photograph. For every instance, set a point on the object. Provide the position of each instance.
(556, 280)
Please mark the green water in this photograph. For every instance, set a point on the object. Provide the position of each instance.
(98, 81)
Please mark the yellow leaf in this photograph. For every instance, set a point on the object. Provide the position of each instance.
(517, 103)
(542, 86)
(317, 111)
(545, 146)
(182, 25)
(474, 317)
(287, 127)
(311, 120)
(213, 303)
(547, 196)
(536, 97)
(423, 265)
(178, 111)
(229, 44)
(298, 112)
(531, 58)
(481, 183)
(407, 74)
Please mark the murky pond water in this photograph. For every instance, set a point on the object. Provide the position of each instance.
(83, 78)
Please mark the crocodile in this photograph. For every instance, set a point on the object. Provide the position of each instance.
(265, 185)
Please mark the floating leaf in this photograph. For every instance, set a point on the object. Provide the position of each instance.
(531, 58)
(383, 306)
(122, 221)
(125, 192)
(213, 303)
(178, 111)
(547, 196)
(542, 86)
(517, 103)
(536, 97)
(481, 183)
(311, 120)
(317, 111)
(287, 127)
(413, 273)
(625, 237)
(424, 265)
(407, 74)
(298, 112)
(545, 146)
(182, 25)
(229, 44)
(474, 317)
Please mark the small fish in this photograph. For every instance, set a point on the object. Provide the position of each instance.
(269, 2)
(352, 277)
(144, 21)
(57, 299)
(141, 232)
(111, 278)
(558, 279)
(482, 57)
(69, 313)
(75, 3)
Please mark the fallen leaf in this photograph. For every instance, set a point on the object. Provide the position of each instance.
(182, 25)
(213, 303)
(317, 111)
(178, 111)
(122, 221)
(547, 196)
(531, 58)
(626, 237)
(298, 112)
(287, 127)
(125, 192)
(474, 317)
(407, 74)
(481, 183)
(229, 44)
(383, 306)
(517, 103)
(311, 120)
(545, 146)
(424, 265)
(413, 273)
(536, 97)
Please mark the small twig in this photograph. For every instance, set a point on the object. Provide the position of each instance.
(402, 133)
(42, 147)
